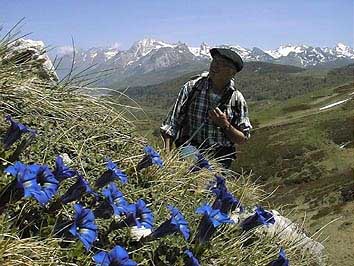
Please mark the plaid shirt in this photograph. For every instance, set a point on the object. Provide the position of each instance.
(197, 122)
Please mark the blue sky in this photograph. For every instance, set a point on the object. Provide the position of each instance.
(265, 24)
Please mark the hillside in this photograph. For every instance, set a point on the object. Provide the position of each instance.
(306, 154)
(257, 81)
(156, 77)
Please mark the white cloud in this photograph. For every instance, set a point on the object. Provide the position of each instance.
(116, 45)
(63, 50)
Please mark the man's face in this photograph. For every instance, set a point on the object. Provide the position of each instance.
(221, 68)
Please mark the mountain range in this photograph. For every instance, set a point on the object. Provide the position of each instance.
(154, 61)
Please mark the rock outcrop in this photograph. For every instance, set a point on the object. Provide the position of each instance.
(33, 53)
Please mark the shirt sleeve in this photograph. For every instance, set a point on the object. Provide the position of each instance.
(242, 120)
(171, 124)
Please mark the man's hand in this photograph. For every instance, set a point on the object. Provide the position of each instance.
(167, 142)
(219, 118)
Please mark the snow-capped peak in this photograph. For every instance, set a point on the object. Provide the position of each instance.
(238, 48)
(145, 46)
(341, 46)
(202, 50)
(343, 50)
(285, 50)
(243, 52)
(139, 56)
(149, 42)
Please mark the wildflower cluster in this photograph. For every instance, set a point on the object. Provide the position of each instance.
(55, 189)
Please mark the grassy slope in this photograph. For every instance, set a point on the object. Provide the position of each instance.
(295, 147)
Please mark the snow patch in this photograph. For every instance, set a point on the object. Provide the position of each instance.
(93, 55)
(285, 50)
(110, 54)
(334, 104)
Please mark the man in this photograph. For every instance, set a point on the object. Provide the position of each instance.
(209, 112)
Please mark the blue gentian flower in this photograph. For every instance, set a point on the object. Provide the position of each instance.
(25, 183)
(219, 184)
(62, 171)
(155, 157)
(15, 132)
(212, 218)
(200, 164)
(116, 172)
(225, 201)
(192, 261)
(77, 190)
(179, 222)
(26, 177)
(151, 157)
(115, 199)
(214, 215)
(261, 217)
(140, 215)
(118, 256)
(37, 181)
(176, 223)
(84, 227)
(48, 185)
(112, 173)
(281, 260)
(13, 191)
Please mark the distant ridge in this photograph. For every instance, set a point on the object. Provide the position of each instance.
(149, 56)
